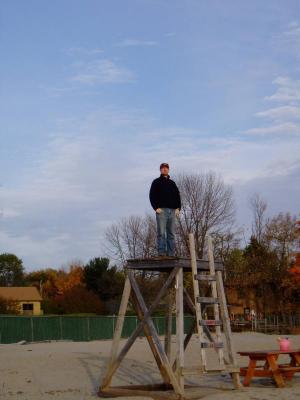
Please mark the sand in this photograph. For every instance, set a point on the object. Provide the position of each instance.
(73, 370)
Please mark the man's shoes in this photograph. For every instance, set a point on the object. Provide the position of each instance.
(162, 255)
(165, 256)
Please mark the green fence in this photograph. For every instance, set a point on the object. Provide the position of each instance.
(34, 329)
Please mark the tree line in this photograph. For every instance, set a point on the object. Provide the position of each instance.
(92, 288)
(268, 263)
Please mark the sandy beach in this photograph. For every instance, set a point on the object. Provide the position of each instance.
(73, 370)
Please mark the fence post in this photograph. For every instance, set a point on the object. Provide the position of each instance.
(88, 328)
(31, 324)
(60, 328)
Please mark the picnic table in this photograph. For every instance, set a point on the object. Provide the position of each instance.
(271, 367)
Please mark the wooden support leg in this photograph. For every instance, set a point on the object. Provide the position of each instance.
(250, 372)
(119, 326)
(293, 363)
(275, 371)
(115, 364)
(150, 324)
(120, 320)
(296, 358)
(179, 328)
(161, 367)
(168, 326)
(227, 328)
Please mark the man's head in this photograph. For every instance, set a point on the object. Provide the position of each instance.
(164, 169)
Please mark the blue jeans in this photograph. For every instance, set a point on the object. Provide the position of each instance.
(166, 231)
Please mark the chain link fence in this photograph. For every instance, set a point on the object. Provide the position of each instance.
(14, 329)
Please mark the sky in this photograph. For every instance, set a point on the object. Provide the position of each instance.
(95, 94)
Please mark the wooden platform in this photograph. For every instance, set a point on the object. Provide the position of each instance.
(172, 369)
(165, 264)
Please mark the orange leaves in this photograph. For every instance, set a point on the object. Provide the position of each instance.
(68, 280)
(295, 270)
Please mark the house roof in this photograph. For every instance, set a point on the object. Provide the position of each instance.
(21, 293)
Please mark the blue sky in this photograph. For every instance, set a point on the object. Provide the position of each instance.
(95, 94)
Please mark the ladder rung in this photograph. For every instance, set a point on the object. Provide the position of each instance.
(210, 322)
(196, 370)
(193, 370)
(208, 300)
(215, 370)
(207, 278)
(212, 345)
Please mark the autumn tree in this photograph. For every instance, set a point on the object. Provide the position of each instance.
(74, 300)
(281, 234)
(45, 280)
(73, 277)
(9, 306)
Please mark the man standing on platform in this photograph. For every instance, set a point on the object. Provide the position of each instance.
(165, 200)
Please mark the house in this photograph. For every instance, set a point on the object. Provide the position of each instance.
(28, 298)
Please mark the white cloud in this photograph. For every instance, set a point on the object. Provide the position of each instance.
(292, 31)
(9, 213)
(284, 118)
(55, 91)
(280, 113)
(170, 34)
(287, 42)
(75, 51)
(101, 72)
(137, 42)
(286, 129)
(288, 89)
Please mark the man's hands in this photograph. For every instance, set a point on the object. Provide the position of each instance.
(177, 211)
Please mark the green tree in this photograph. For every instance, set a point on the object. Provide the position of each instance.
(235, 267)
(11, 270)
(102, 279)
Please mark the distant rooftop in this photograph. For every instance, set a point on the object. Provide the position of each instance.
(20, 293)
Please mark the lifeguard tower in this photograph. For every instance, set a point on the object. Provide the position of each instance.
(209, 332)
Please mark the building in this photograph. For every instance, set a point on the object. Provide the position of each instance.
(28, 298)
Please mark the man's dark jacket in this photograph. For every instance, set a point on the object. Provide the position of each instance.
(164, 193)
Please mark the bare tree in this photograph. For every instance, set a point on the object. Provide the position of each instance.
(207, 206)
(115, 247)
(225, 241)
(132, 237)
(258, 207)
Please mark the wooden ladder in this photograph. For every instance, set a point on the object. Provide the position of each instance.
(216, 301)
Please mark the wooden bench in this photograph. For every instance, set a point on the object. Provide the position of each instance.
(270, 368)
